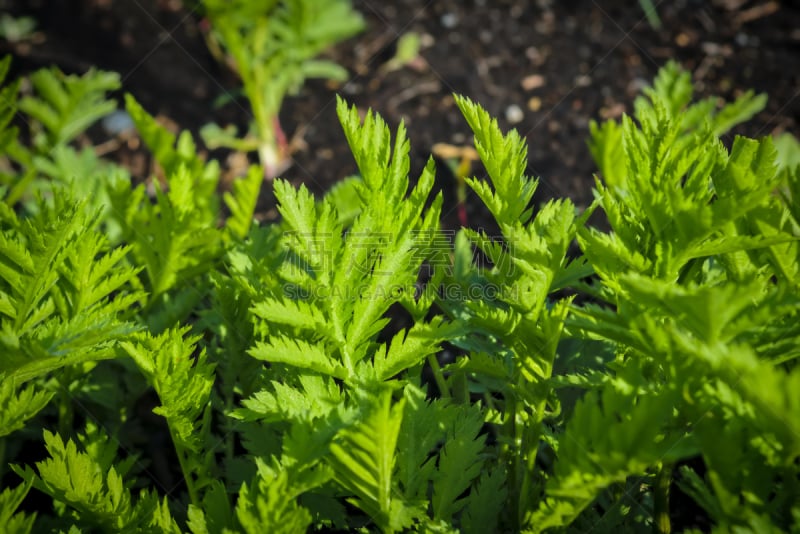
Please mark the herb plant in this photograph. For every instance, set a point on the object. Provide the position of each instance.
(274, 46)
(294, 372)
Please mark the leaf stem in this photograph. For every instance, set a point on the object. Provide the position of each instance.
(438, 376)
(661, 499)
(65, 412)
(187, 474)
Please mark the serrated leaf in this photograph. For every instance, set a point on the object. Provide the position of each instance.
(11, 521)
(485, 503)
(460, 463)
(17, 405)
(363, 459)
(67, 104)
(298, 353)
(99, 498)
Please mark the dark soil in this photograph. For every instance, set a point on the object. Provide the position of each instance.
(556, 65)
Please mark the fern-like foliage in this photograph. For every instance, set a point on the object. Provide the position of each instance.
(672, 193)
(671, 91)
(698, 268)
(83, 174)
(183, 382)
(175, 152)
(64, 294)
(339, 287)
(611, 435)
(176, 237)
(485, 502)
(12, 521)
(8, 107)
(363, 458)
(17, 405)
(271, 501)
(460, 464)
(242, 202)
(66, 105)
(352, 368)
(513, 328)
(319, 307)
(395, 453)
(61, 108)
(97, 497)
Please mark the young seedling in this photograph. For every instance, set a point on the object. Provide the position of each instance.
(273, 46)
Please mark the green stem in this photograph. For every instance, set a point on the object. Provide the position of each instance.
(187, 473)
(229, 444)
(509, 452)
(529, 441)
(269, 158)
(650, 12)
(65, 412)
(661, 499)
(459, 388)
(438, 376)
(3, 457)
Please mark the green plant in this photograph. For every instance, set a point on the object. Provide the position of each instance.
(297, 367)
(273, 45)
(60, 108)
(650, 13)
(17, 29)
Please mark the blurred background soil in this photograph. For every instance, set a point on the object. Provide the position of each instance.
(544, 67)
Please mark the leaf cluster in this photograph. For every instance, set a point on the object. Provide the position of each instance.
(274, 46)
(353, 367)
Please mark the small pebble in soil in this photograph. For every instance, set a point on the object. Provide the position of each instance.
(583, 81)
(535, 103)
(682, 40)
(449, 20)
(713, 49)
(117, 122)
(426, 40)
(636, 85)
(742, 39)
(536, 56)
(514, 114)
(351, 88)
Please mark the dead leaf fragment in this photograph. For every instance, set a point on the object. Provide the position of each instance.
(756, 12)
(614, 111)
(534, 81)
(448, 151)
